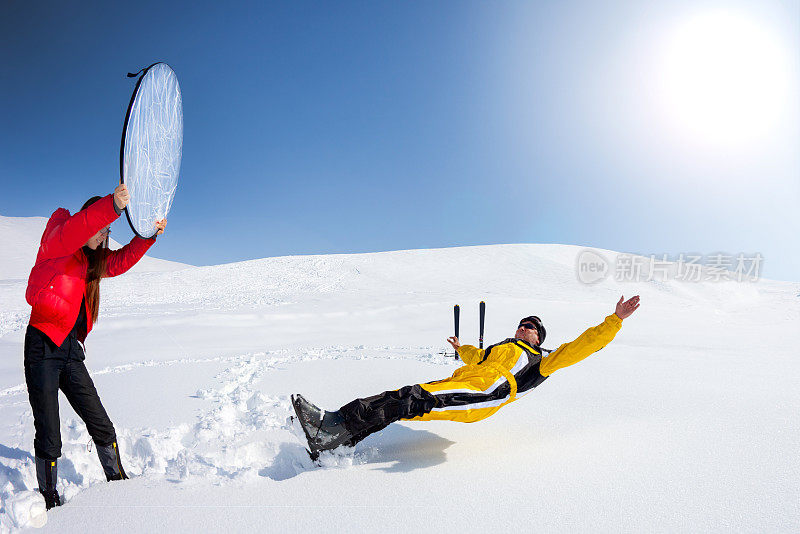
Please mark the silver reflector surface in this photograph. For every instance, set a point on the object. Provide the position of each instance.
(152, 148)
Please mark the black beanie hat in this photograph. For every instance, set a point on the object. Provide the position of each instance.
(539, 326)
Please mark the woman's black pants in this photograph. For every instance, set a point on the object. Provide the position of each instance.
(49, 368)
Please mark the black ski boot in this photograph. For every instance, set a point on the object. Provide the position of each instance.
(46, 475)
(324, 430)
(111, 462)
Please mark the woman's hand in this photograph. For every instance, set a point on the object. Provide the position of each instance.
(121, 196)
(453, 340)
(161, 225)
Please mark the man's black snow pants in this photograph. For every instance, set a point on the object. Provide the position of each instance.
(49, 368)
(363, 417)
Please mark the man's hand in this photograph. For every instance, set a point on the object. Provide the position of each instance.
(161, 225)
(121, 196)
(453, 340)
(625, 309)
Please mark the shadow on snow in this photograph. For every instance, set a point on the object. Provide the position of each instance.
(403, 448)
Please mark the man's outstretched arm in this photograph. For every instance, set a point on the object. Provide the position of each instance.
(467, 353)
(590, 341)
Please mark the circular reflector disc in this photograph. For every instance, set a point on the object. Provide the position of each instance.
(152, 148)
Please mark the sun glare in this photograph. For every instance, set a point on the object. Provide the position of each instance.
(725, 79)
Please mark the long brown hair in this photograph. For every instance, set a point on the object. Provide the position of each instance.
(97, 270)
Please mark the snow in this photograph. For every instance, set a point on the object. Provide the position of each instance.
(687, 421)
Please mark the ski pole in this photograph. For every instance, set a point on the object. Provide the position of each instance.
(481, 316)
(456, 317)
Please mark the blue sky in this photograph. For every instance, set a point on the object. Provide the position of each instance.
(314, 128)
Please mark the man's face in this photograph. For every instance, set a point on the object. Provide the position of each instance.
(527, 332)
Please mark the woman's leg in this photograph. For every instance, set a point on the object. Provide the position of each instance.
(79, 389)
(42, 379)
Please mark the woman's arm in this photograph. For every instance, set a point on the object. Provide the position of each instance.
(69, 236)
(119, 261)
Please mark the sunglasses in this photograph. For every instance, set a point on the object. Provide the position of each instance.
(106, 231)
(528, 326)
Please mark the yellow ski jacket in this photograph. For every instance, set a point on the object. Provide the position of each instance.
(506, 371)
(505, 355)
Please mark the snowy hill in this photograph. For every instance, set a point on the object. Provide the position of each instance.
(19, 241)
(686, 421)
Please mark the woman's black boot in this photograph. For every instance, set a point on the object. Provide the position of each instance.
(46, 475)
(111, 462)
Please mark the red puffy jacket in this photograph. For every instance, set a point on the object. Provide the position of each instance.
(57, 283)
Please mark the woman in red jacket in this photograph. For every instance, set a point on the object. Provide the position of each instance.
(64, 293)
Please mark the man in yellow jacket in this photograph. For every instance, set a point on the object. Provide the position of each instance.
(490, 379)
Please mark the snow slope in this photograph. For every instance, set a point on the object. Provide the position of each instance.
(686, 422)
(19, 241)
